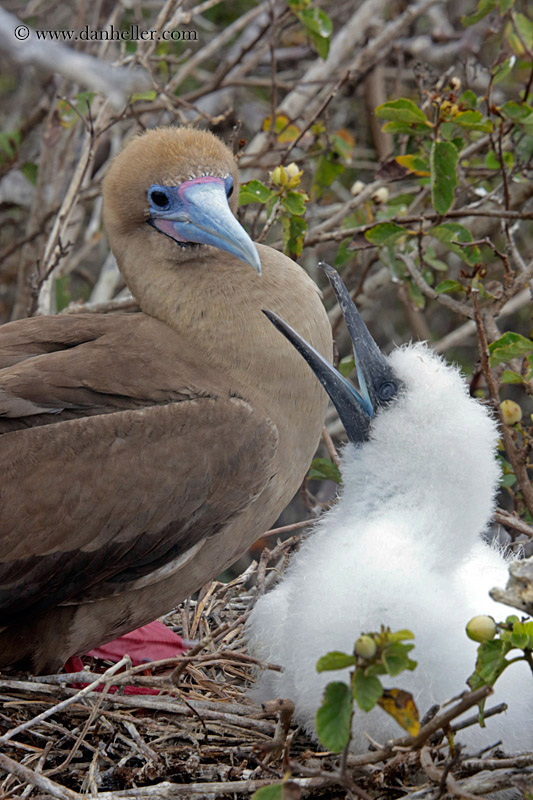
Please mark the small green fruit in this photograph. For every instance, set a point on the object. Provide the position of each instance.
(365, 647)
(511, 412)
(275, 175)
(481, 628)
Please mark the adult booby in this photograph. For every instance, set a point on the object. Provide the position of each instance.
(141, 454)
(403, 545)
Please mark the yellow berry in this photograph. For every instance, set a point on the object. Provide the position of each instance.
(511, 412)
(481, 628)
(365, 647)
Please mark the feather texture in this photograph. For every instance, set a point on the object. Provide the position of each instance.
(403, 547)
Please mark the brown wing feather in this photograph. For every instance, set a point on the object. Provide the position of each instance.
(149, 465)
(91, 364)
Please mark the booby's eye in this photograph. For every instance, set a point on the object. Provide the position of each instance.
(159, 198)
(228, 183)
(387, 391)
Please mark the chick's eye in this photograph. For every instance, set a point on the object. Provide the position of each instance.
(159, 198)
(387, 391)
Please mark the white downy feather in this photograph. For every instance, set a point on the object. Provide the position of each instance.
(403, 547)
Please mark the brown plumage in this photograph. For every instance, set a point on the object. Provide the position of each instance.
(141, 454)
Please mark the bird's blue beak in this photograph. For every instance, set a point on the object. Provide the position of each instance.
(377, 382)
(197, 211)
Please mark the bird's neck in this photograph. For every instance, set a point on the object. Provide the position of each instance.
(214, 300)
(183, 293)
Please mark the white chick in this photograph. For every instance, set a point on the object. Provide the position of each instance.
(403, 546)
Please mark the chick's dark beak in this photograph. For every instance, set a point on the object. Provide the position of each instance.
(377, 382)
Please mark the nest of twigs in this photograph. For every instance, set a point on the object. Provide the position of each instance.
(202, 737)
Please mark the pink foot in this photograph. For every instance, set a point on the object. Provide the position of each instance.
(152, 642)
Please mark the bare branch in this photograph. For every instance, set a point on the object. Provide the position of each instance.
(20, 42)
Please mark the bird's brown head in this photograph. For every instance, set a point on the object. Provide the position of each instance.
(180, 185)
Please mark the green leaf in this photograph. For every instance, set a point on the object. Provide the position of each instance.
(446, 130)
(343, 143)
(473, 120)
(402, 110)
(523, 35)
(320, 44)
(346, 366)
(519, 113)
(493, 162)
(484, 8)
(285, 132)
(293, 230)
(522, 634)
(508, 480)
(30, 171)
(384, 232)
(62, 290)
(324, 469)
(316, 21)
(343, 255)
(510, 345)
(449, 286)
(294, 203)
(520, 639)
(335, 660)
(443, 164)
(501, 72)
(525, 29)
(449, 232)
(402, 199)
(433, 261)
(9, 142)
(273, 792)
(508, 376)
(414, 162)
(401, 635)
(491, 661)
(334, 716)
(319, 28)
(151, 94)
(326, 173)
(375, 669)
(416, 295)
(404, 127)
(254, 192)
(468, 98)
(367, 689)
(395, 657)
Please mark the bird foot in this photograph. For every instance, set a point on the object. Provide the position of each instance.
(152, 642)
